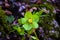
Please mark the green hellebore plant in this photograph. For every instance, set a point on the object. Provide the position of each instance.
(30, 21)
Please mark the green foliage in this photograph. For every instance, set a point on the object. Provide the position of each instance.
(10, 19)
(18, 29)
(4, 25)
(29, 21)
(32, 18)
(2, 16)
(47, 5)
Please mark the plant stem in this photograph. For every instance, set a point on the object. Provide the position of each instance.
(36, 35)
(23, 38)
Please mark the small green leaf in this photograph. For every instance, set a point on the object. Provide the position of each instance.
(35, 25)
(28, 15)
(27, 27)
(22, 20)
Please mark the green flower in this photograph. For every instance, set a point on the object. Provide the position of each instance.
(29, 21)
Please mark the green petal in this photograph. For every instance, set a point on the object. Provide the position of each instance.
(35, 25)
(22, 20)
(35, 18)
(28, 15)
(27, 27)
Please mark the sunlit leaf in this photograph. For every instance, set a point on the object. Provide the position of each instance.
(27, 26)
(35, 25)
(36, 18)
(22, 21)
(28, 15)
